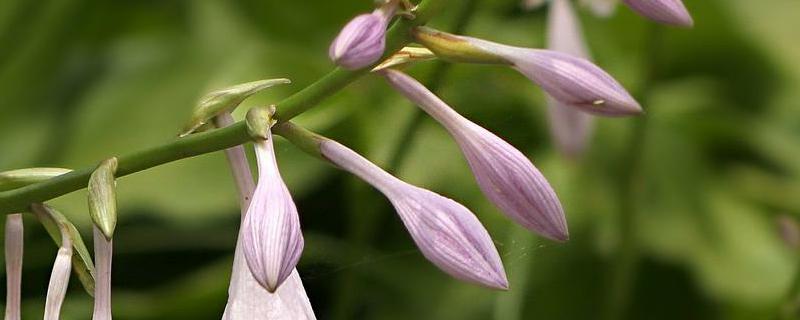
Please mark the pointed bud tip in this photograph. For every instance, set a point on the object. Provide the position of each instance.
(360, 43)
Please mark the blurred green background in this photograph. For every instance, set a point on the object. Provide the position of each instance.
(679, 206)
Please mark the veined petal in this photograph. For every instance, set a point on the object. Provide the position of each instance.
(247, 299)
(13, 252)
(59, 277)
(447, 233)
(363, 40)
(671, 12)
(569, 127)
(503, 173)
(273, 241)
(568, 79)
(103, 250)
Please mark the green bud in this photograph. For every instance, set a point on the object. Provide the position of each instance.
(259, 121)
(103, 197)
(55, 223)
(453, 48)
(226, 99)
(19, 178)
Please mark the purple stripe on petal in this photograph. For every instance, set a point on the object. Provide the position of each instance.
(103, 250)
(272, 241)
(59, 277)
(503, 173)
(447, 233)
(671, 12)
(361, 42)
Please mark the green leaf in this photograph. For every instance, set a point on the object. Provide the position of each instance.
(103, 197)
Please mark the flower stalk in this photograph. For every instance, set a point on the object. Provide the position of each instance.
(14, 237)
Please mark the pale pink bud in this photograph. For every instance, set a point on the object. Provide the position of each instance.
(447, 233)
(570, 80)
(13, 252)
(273, 241)
(59, 277)
(247, 299)
(569, 127)
(503, 173)
(103, 250)
(362, 41)
(671, 12)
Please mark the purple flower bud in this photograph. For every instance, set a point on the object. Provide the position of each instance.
(503, 173)
(362, 41)
(571, 80)
(671, 12)
(569, 127)
(13, 253)
(272, 238)
(446, 232)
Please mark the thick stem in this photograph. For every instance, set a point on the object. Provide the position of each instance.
(397, 37)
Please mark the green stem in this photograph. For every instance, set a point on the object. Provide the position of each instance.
(397, 37)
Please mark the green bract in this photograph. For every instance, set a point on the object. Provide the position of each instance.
(103, 197)
(19, 178)
(226, 99)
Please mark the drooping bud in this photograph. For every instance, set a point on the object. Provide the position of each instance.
(22, 177)
(568, 79)
(247, 299)
(363, 40)
(503, 173)
(53, 222)
(272, 240)
(447, 233)
(103, 197)
(569, 127)
(59, 277)
(671, 12)
(226, 99)
(103, 250)
(14, 238)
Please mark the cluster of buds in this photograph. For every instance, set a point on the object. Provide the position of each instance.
(264, 280)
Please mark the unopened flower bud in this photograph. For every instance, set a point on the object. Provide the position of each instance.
(671, 12)
(363, 40)
(503, 173)
(272, 239)
(22, 177)
(103, 197)
(568, 79)
(226, 99)
(569, 126)
(13, 253)
(447, 233)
